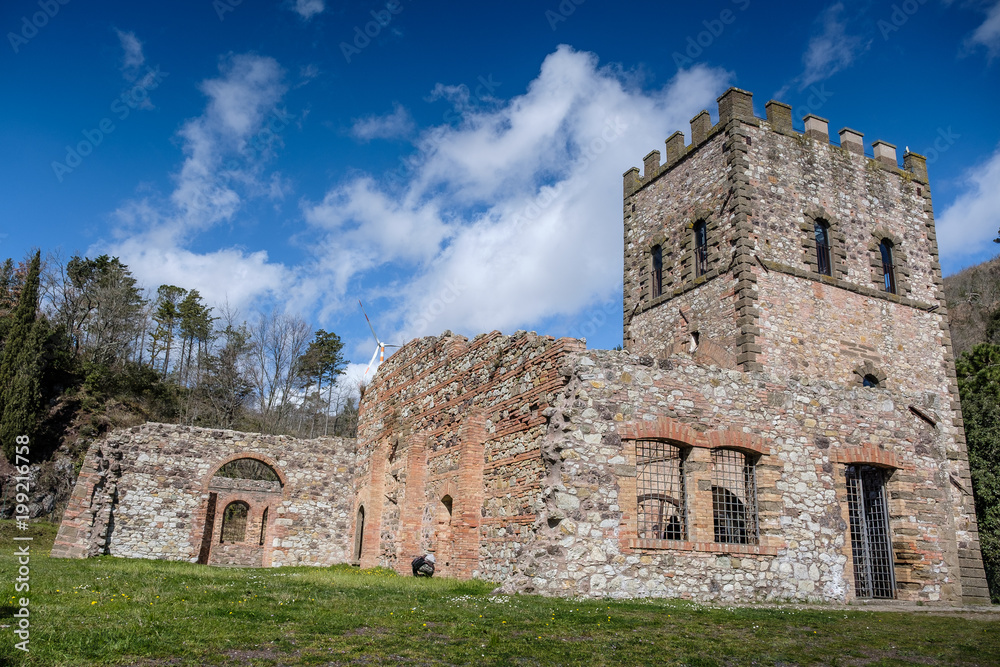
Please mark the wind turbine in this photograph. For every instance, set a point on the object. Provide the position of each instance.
(380, 346)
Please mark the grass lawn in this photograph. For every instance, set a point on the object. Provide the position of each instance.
(110, 611)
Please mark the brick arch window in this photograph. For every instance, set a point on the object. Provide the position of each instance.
(656, 254)
(660, 490)
(889, 271)
(234, 522)
(734, 497)
(823, 244)
(870, 375)
(821, 231)
(700, 233)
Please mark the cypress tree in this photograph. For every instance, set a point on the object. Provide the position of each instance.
(21, 366)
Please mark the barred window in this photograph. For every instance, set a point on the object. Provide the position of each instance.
(234, 521)
(660, 491)
(871, 544)
(657, 254)
(734, 497)
(700, 248)
(823, 263)
(888, 266)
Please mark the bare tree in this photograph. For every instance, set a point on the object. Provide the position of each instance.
(277, 341)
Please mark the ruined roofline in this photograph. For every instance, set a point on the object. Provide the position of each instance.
(736, 104)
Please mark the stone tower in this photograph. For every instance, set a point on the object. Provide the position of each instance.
(770, 251)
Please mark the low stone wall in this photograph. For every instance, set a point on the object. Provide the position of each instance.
(149, 492)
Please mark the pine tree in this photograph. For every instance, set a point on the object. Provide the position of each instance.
(21, 366)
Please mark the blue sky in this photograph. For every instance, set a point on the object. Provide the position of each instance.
(457, 167)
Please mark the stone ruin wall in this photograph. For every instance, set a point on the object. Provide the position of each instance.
(805, 433)
(144, 492)
(450, 418)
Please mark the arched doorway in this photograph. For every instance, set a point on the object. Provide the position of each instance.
(237, 516)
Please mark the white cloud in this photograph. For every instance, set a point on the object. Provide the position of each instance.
(225, 149)
(133, 58)
(513, 214)
(396, 125)
(988, 34)
(308, 8)
(828, 52)
(968, 226)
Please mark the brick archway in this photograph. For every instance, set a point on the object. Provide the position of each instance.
(261, 497)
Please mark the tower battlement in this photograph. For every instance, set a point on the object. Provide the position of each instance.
(737, 104)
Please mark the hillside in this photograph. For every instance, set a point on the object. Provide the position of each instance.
(973, 296)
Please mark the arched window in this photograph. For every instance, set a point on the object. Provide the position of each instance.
(359, 533)
(869, 381)
(888, 269)
(823, 264)
(734, 497)
(657, 253)
(700, 248)
(234, 521)
(263, 527)
(660, 498)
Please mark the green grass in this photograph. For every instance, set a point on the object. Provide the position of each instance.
(110, 611)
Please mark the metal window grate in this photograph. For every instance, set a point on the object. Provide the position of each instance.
(657, 271)
(823, 259)
(888, 266)
(234, 522)
(660, 491)
(700, 248)
(870, 542)
(734, 497)
(824, 265)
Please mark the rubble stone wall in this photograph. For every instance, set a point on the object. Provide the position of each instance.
(150, 492)
(804, 434)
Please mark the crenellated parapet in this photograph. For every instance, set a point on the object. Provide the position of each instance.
(737, 104)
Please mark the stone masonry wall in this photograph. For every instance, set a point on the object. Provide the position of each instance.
(449, 460)
(804, 432)
(150, 492)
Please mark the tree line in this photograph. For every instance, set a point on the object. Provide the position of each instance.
(83, 333)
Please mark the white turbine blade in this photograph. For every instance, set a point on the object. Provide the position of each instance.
(369, 323)
(371, 362)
